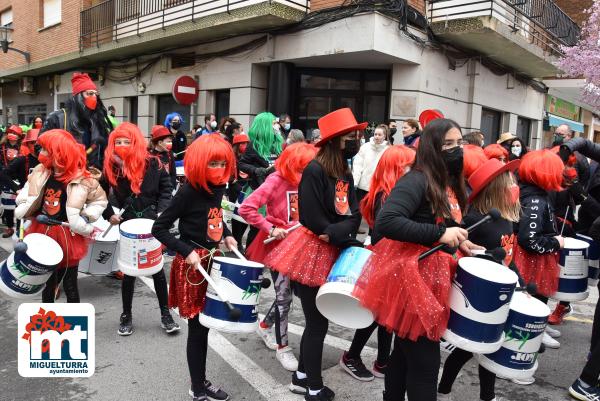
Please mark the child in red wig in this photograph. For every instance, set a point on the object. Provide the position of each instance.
(140, 187)
(495, 151)
(61, 188)
(209, 163)
(279, 193)
(473, 158)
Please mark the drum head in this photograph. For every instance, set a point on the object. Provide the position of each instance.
(488, 270)
(137, 226)
(43, 249)
(528, 305)
(113, 234)
(573, 243)
(238, 262)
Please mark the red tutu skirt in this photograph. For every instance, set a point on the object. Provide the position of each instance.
(187, 286)
(303, 257)
(257, 251)
(543, 270)
(74, 246)
(406, 296)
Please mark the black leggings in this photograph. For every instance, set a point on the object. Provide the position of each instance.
(413, 370)
(9, 218)
(237, 230)
(160, 286)
(197, 346)
(454, 363)
(384, 343)
(311, 344)
(69, 283)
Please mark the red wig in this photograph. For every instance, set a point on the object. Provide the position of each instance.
(67, 155)
(473, 158)
(293, 160)
(495, 151)
(542, 168)
(202, 151)
(134, 166)
(389, 170)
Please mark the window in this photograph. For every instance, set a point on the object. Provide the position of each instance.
(6, 20)
(222, 103)
(490, 125)
(524, 129)
(51, 12)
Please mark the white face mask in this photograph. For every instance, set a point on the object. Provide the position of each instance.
(516, 150)
(213, 124)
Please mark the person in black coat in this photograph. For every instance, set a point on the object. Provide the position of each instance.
(161, 146)
(173, 123)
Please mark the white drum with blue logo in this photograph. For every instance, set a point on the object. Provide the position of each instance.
(479, 305)
(517, 358)
(573, 280)
(593, 259)
(335, 300)
(240, 281)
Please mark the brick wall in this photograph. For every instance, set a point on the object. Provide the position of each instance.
(47, 43)
(575, 9)
(316, 5)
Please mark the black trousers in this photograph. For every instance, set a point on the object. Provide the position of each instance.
(311, 344)
(160, 286)
(413, 370)
(197, 347)
(591, 370)
(8, 217)
(68, 277)
(454, 363)
(237, 230)
(384, 343)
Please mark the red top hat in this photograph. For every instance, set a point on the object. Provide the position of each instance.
(15, 129)
(429, 115)
(159, 132)
(32, 135)
(337, 123)
(487, 172)
(240, 138)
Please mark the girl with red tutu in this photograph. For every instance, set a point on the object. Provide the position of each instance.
(330, 218)
(538, 240)
(208, 162)
(408, 296)
(279, 193)
(139, 185)
(61, 188)
(394, 163)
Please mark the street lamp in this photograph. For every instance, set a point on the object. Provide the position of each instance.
(4, 41)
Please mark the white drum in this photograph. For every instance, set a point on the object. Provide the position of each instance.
(140, 254)
(100, 259)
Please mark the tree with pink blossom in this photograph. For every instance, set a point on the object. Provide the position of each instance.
(583, 59)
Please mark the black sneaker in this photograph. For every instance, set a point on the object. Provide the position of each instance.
(356, 368)
(583, 392)
(326, 394)
(298, 386)
(212, 392)
(126, 325)
(168, 324)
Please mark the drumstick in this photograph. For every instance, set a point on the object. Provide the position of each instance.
(43, 219)
(289, 230)
(234, 313)
(237, 253)
(105, 233)
(565, 220)
(21, 246)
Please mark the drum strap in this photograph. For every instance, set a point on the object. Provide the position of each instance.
(210, 255)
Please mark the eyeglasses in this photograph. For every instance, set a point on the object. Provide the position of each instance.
(91, 93)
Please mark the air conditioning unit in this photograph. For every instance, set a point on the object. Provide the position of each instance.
(26, 85)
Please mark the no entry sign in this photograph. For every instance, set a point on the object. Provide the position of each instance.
(185, 90)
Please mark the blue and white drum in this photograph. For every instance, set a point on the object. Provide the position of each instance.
(335, 300)
(240, 281)
(573, 280)
(8, 199)
(479, 305)
(593, 258)
(179, 169)
(517, 358)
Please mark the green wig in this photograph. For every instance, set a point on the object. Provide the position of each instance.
(264, 138)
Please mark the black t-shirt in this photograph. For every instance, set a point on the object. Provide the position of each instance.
(55, 200)
(497, 234)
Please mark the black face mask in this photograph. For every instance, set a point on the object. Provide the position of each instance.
(392, 131)
(351, 148)
(175, 125)
(558, 140)
(454, 160)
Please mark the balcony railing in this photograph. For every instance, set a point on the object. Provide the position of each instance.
(542, 22)
(113, 20)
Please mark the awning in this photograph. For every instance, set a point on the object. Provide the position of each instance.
(555, 121)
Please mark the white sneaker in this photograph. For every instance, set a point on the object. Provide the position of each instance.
(524, 382)
(286, 357)
(267, 337)
(444, 397)
(552, 332)
(446, 346)
(550, 342)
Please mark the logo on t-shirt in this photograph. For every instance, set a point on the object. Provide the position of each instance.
(454, 206)
(507, 242)
(214, 227)
(341, 198)
(292, 204)
(52, 201)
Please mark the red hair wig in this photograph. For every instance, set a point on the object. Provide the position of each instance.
(495, 151)
(293, 160)
(207, 148)
(542, 168)
(473, 158)
(68, 156)
(389, 170)
(134, 166)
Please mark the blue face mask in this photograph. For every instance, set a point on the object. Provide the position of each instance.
(287, 126)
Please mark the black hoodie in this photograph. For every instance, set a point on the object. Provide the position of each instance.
(537, 227)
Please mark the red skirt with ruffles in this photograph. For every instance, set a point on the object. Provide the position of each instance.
(303, 257)
(543, 270)
(74, 246)
(257, 251)
(187, 286)
(406, 296)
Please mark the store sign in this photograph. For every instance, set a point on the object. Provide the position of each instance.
(562, 108)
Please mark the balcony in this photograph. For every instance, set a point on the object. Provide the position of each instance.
(526, 35)
(155, 24)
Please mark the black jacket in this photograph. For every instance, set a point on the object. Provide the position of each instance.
(537, 227)
(583, 148)
(317, 202)
(155, 195)
(18, 170)
(168, 162)
(179, 144)
(255, 166)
